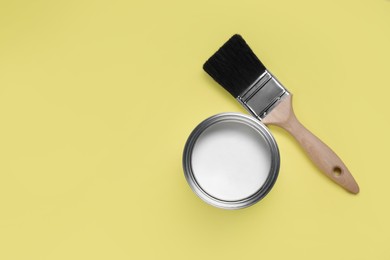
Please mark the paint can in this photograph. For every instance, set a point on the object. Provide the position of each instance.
(231, 160)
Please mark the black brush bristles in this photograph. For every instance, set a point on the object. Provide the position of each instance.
(234, 66)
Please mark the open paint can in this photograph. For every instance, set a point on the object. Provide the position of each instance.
(231, 160)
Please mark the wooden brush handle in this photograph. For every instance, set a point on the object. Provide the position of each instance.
(322, 156)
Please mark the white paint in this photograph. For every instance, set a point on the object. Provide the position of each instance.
(231, 160)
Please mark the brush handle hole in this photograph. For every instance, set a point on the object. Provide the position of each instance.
(337, 171)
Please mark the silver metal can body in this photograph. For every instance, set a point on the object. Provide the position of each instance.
(245, 121)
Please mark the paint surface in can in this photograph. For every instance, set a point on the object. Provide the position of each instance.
(231, 160)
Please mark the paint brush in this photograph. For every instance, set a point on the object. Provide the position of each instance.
(243, 75)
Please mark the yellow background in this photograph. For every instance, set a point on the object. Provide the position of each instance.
(97, 99)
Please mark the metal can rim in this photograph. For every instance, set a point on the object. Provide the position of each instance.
(232, 117)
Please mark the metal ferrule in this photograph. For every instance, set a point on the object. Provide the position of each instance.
(263, 95)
